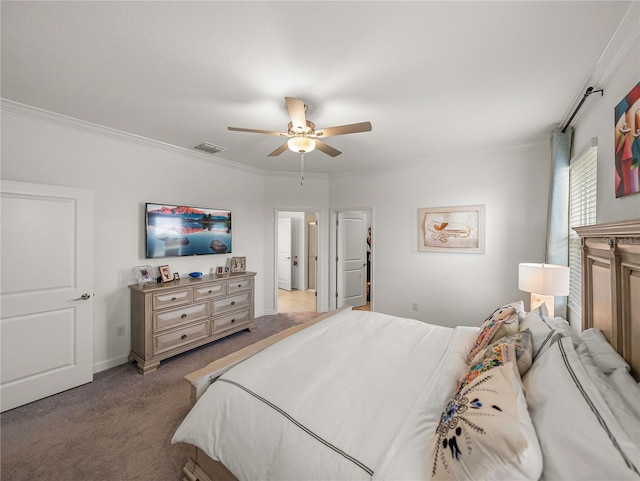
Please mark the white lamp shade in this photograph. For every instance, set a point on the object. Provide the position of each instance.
(545, 279)
(301, 144)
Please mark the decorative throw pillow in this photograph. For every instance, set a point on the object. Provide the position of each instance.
(523, 351)
(485, 432)
(502, 322)
(497, 354)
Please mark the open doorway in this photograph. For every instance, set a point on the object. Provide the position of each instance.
(352, 248)
(297, 261)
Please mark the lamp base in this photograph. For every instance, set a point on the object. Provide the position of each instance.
(538, 299)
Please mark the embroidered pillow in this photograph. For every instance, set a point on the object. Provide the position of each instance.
(502, 322)
(497, 354)
(485, 432)
(523, 351)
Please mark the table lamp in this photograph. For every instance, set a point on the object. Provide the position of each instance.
(544, 282)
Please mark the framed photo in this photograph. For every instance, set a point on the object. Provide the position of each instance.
(452, 229)
(238, 264)
(220, 270)
(144, 275)
(227, 269)
(176, 276)
(165, 274)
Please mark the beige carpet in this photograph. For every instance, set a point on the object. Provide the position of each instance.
(118, 427)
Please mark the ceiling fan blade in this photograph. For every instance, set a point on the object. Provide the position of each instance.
(256, 131)
(279, 150)
(296, 112)
(344, 129)
(327, 149)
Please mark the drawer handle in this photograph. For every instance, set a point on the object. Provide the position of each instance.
(232, 321)
(233, 303)
(183, 316)
(239, 285)
(210, 291)
(173, 298)
(184, 336)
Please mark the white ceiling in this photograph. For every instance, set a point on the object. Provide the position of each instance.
(432, 77)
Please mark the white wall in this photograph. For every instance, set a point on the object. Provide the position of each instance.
(123, 176)
(453, 289)
(598, 122)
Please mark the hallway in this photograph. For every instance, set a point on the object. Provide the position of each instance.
(302, 301)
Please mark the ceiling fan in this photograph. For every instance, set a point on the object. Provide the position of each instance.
(302, 133)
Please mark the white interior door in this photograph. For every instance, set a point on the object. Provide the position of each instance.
(352, 259)
(312, 255)
(46, 314)
(284, 253)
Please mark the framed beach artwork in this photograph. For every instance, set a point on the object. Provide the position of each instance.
(452, 229)
(627, 143)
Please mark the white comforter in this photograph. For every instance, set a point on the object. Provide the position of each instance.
(334, 401)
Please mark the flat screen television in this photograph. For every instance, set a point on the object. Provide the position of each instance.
(178, 230)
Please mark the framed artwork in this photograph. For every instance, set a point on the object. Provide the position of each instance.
(238, 264)
(165, 274)
(144, 275)
(452, 229)
(627, 143)
(220, 270)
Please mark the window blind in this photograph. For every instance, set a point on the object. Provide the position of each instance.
(583, 186)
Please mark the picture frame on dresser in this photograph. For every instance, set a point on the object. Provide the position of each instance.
(238, 264)
(165, 273)
(144, 275)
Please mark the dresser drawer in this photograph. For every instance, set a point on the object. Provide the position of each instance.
(212, 290)
(171, 340)
(238, 286)
(229, 321)
(173, 298)
(238, 301)
(176, 317)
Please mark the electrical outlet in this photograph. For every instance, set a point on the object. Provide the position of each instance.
(120, 331)
(414, 306)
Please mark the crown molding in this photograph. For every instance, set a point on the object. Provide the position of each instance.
(621, 42)
(17, 108)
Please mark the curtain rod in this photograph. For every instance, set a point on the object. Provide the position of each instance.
(584, 97)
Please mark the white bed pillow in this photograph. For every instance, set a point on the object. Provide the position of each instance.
(622, 400)
(542, 334)
(579, 435)
(605, 356)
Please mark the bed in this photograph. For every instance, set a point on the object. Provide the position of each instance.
(358, 395)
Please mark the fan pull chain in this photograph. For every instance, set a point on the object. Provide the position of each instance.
(301, 168)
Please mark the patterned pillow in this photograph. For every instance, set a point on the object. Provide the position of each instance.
(503, 321)
(522, 347)
(497, 354)
(485, 432)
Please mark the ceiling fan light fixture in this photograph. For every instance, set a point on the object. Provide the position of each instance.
(301, 144)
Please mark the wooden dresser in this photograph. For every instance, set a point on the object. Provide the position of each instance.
(174, 317)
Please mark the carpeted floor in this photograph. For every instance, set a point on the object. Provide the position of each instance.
(118, 427)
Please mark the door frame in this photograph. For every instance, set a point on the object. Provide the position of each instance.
(333, 253)
(311, 210)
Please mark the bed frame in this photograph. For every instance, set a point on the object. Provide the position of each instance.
(610, 302)
(611, 286)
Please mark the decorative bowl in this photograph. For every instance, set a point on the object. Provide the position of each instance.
(195, 274)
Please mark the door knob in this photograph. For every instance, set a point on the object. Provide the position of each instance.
(84, 297)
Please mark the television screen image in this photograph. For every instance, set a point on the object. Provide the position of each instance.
(178, 230)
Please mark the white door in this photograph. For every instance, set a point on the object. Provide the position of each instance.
(352, 259)
(46, 314)
(284, 253)
(312, 255)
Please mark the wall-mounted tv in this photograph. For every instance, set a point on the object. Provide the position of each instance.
(178, 230)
